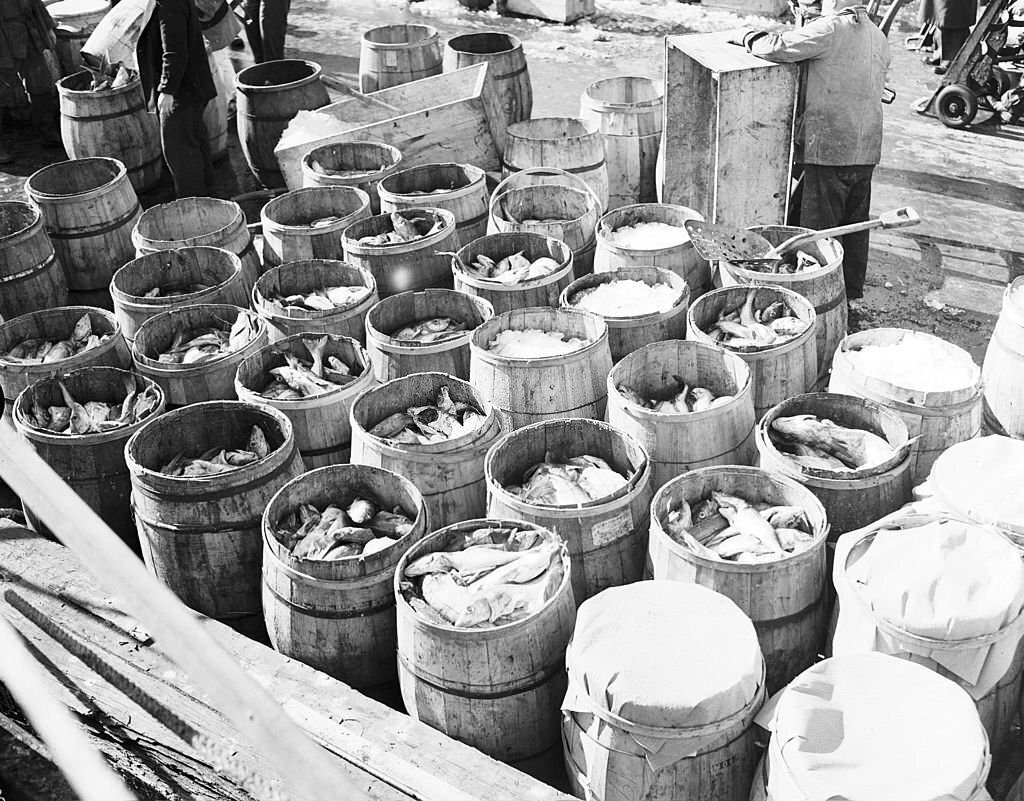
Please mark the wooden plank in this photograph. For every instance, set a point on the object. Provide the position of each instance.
(554, 10)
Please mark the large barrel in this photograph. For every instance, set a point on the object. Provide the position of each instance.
(216, 115)
(506, 62)
(112, 123)
(268, 96)
(89, 208)
(390, 55)
(31, 278)
(358, 164)
(458, 188)
(75, 21)
(1003, 368)
(308, 223)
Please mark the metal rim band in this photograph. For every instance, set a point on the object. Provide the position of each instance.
(111, 116)
(329, 614)
(557, 411)
(514, 74)
(169, 497)
(103, 228)
(539, 680)
(574, 170)
(327, 451)
(31, 272)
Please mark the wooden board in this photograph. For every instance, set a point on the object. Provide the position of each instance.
(554, 10)
(765, 8)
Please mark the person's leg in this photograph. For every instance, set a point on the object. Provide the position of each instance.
(204, 148)
(950, 42)
(5, 156)
(273, 25)
(252, 28)
(855, 246)
(40, 85)
(180, 137)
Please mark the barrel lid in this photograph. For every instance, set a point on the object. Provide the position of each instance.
(66, 9)
(981, 480)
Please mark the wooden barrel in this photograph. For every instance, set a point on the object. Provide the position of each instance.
(824, 288)
(198, 221)
(321, 425)
(300, 277)
(219, 270)
(626, 334)
(184, 384)
(548, 387)
(75, 21)
(790, 625)
(1003, 367)
(338, 615)
(458, 188)
(201, 536)
(89, 208)
(390, 55)
(606, 538)
(506, 62)
(92, 464)
(112, 123)
(543, 291)
(936, 419)
(677, 442)
(267, 97)
(855, 498)
(420, 264)
(496, 689)
(31, 278)
(216, 115)
(290, 228)
(681, 259)
(566, 143)
(394, 358)
(450, 474)
(365, 163)
(628, 111)
(777, 372)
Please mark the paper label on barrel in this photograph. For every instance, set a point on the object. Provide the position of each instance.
(614, 528)
(390, 59)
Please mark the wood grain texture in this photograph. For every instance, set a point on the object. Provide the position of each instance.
(458, 188)
(1003, 368)
(371, 161)
(503, 52)
(554, 10)
(31, 278)
(287, 223)
(390, 55)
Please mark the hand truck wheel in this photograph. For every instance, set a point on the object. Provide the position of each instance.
(956, 106)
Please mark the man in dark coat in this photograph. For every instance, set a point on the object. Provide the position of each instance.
(265, 25)
(953, 19)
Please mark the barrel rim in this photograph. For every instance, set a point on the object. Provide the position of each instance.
(391, 150)
(474, 174)
(151, 216)
(429, 31)
(565, 265)
(99, 7)
(667, 277)
(139, 302)
(522, 130)
(794, 300)
(120, 174)
(306, 229)
(64, 89)
(636, 107)
(259, 299)
(249, 88)
(514, 41)
(180, 371)
(576, 185)
(36, 218)
(353, 245)
(482, 352)
(389, 344)
(604, 226)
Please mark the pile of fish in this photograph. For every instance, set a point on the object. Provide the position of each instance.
(422, 425)
(732, 529)
(435, 329)
(533, 343)
(323, 222)
(568, 482)
(338, 531)
(329, 298)
(205, 344)
(175, 290)
(320, 168)
(648, 236)
(43, 351)
(93, 417)
(626, 298)
(12, 518)
(512, 269)
(677, 398)
(748, 327)
(219, 460)
(822, 444)
(105, 75)
(484, 578)
(299, 378)
(407, 227)
(799, 262)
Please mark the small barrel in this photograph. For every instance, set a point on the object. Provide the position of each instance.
(184, 384)
(790, 625)
(308, 275)
(778, 371)
(606, 538)
(458, 188)
(528, 390)
(627, 333)
(507, 66)
(201, 536)
(31, 278)
(216, 115)
(75, 21)
(268, 96)
(450, 474)
(628, 111)
(358, 164)
(390, 55)
(679, 442)
(323, 433)
(112, 123)
(496, 689)
(1003, 367)
(419, 264)
(394, 358)
(338, 615)
(216, 269)
(298, 225)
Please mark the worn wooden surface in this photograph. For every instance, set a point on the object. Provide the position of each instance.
(554, 10)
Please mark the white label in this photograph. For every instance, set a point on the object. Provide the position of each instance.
(614, 528)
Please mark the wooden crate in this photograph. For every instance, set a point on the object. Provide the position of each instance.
(729, 122)
(763, 8)
(554, 10)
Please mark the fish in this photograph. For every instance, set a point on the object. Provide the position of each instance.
(91, 416)
(434, 329)
(339, 533)
(854, 448)
(219, 460)
(199, 345)
(299, 378)
(568, 482)
(745, 519)
(455, 603)
(751, 327)
(512, 269)
(473, 561)
(42, 351)
(361, 511)
(421, 425)
(405, 228)
(676, 398)
(324, 299)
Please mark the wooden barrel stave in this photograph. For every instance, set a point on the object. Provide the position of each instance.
(466, 198)
(288, 233)
(503, 52)
(372, 160)
(390, 55)
(31, 277)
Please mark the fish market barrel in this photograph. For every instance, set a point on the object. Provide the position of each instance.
(777, 371)
(790, 625)
(320, 422)
(200, 535)
(89, 208)
(606, 536)
(111, 123)
(31, 278)
(855, 497)
(507, 65)
(390, 55)
(393, 357)
(629, 331)
(528, 389)
(75, 22)
(183, 277)
(1003, 367)
(680, 441)
(419, 263)
(358, 164)
(458, 188)
(210, 379)
(497, 688)
(943, 409)
(268, 96)
(338, 615)
(631, 734)
(91, 462)
(628, 110)
(308, 223)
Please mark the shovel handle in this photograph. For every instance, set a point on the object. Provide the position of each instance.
(900, 218)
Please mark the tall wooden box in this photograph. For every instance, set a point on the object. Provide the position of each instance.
(554, 10)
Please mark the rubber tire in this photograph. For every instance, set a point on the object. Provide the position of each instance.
(956, 106)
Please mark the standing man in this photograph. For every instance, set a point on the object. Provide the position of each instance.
(839, 126)
(265, 24)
